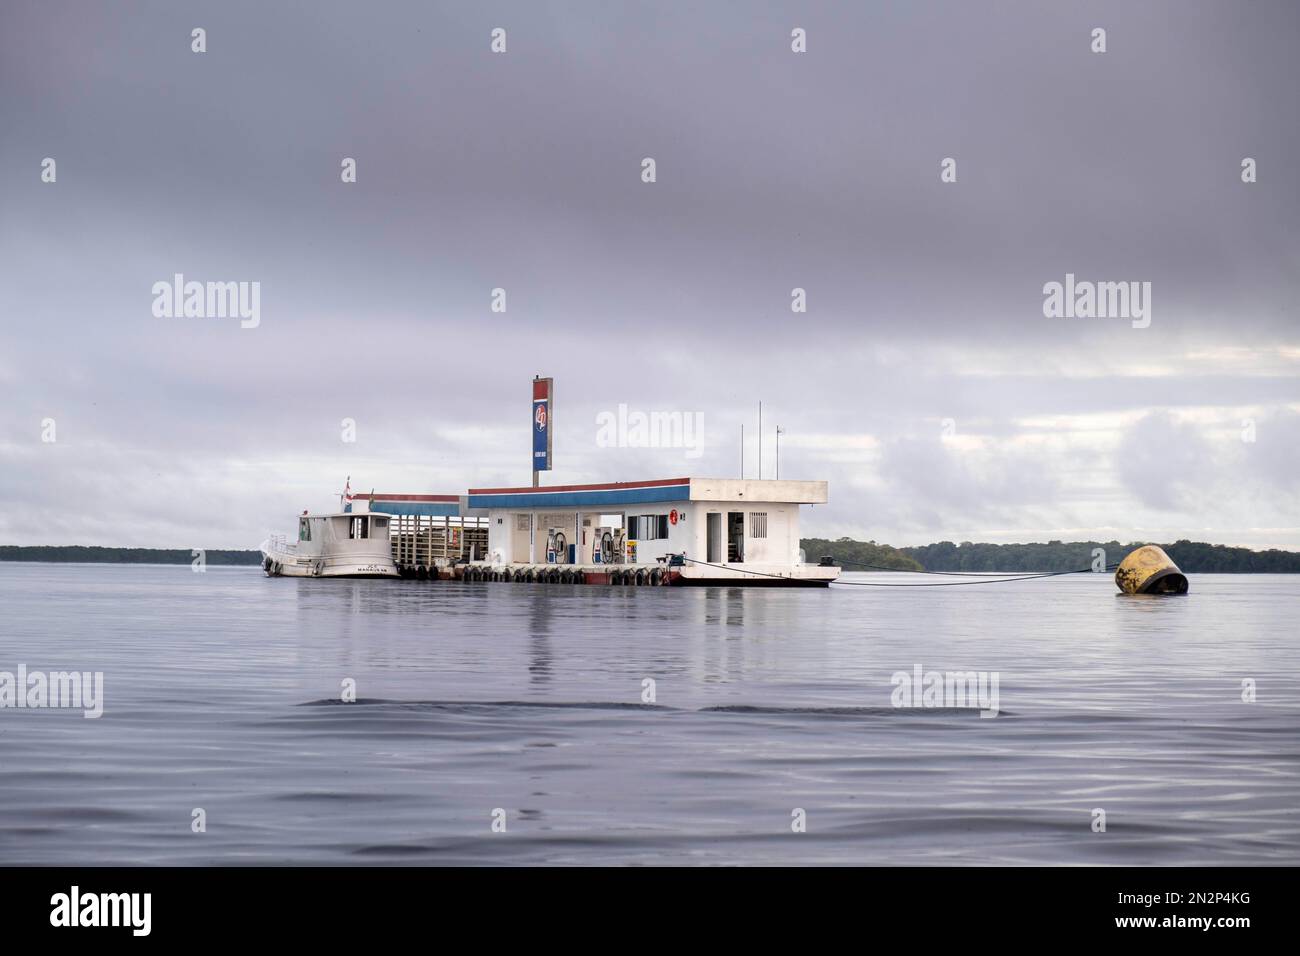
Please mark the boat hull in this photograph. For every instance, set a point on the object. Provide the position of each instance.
(296, 566)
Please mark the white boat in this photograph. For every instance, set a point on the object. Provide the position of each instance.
(343, 545)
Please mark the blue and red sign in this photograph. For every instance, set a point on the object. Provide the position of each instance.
(541, 424)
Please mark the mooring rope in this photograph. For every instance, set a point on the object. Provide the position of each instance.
(973, 574)
(928, 584)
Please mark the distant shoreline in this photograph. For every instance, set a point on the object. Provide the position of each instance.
(79, 554)
(1193, 557)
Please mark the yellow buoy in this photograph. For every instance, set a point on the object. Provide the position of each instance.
(1148, 570)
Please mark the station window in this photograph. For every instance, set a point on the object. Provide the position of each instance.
(758, 524)
(647, 527)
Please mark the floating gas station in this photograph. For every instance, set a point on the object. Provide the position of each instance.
(663, 531)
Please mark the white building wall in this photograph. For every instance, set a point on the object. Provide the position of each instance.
(649, 550)
(499, 534)
(520, 525)
(781, 546)
(689, 535)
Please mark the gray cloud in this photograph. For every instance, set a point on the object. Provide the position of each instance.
(521, 171)
(1163, 462)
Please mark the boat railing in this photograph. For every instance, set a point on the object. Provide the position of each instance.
(281, 543)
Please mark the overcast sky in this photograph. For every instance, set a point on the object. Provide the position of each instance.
(774, 170)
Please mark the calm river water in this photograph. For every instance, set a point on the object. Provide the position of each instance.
(524, 705)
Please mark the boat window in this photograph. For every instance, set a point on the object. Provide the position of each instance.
(758, 524)
(358, 528)
(304, 529)
(380, 524)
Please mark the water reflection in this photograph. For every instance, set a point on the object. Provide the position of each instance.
(540, 653)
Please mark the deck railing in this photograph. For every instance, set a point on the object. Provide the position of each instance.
(423, 541)
(281, 543)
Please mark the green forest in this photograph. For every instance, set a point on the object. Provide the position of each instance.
(844, 550)
(1193, 557)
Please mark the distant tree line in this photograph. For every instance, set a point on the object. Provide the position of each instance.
(1193, 557)
(87, 555)
(844, 550)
